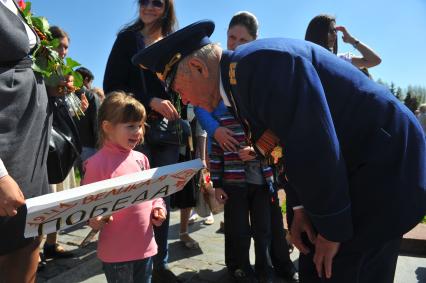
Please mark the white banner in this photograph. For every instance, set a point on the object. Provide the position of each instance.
(57, 211)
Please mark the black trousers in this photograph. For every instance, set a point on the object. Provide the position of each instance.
(247, 213)
(371, 265)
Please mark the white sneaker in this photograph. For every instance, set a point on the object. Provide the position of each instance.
(194, 217)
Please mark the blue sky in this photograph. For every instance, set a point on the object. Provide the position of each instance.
(396, 30)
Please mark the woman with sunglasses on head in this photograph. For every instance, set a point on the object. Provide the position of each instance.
(156, 20)
(322, 30)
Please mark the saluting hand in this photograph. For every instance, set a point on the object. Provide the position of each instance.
(325, 251)
(346, 37)
(11, 197)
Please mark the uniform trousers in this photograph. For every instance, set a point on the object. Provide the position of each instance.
(370, 265)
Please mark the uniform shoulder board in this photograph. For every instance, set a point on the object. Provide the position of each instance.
(232, 79)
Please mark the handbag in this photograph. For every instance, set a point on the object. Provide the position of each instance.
(64, 143)
(164, 132)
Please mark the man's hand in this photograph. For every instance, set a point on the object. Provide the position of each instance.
(325, 251)
(247, 153)
(220, 195)
(165, 108)
(301, 223)
(11, 197)
(225, 139)
(158, 216)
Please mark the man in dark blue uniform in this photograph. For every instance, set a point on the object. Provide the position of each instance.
(354, 156)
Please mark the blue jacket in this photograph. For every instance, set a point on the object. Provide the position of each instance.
(208, 122)
(353, 153)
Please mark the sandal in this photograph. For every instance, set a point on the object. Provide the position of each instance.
(188, 242)
(56, 251)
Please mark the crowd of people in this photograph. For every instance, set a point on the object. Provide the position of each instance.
(263, 115)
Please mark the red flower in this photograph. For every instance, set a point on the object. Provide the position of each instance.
(22, 4)
(208, 178)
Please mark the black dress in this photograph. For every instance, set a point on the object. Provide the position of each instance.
(186, 198)
(25, 123)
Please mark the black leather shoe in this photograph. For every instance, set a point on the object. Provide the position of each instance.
(241, 276)
(288, 272)
(56, 251)
(164, 276)
(42, 263)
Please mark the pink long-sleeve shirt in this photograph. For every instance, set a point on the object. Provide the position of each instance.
(130, 235)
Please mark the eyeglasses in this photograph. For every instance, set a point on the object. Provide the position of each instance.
(333, 30)
(154, 3)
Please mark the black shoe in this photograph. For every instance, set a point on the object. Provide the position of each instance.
(241, 276)
(42, 263)
(56, 251)
(164, 276)
(265, 276)
(288, 272)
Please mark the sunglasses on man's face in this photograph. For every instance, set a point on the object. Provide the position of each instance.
(154, 3)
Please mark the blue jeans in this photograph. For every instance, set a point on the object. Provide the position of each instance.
(161, 156)
(137, 271)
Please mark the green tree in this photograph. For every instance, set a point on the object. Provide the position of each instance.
(399, 93)
(411, 102)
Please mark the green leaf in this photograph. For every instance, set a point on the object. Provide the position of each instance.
(53, 80)
(71, 63)
(54, 43)
(41, 24)
(78, 79)
(27, 13)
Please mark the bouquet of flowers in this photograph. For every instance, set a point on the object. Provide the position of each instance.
(47, 61)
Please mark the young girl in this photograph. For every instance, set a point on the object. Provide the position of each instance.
(126, 241)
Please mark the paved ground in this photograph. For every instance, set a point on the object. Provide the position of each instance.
(205, 265)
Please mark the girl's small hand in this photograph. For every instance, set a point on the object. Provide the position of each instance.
(247, 153)
(99, 222)
(158, 216)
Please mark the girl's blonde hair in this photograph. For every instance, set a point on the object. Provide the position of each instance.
(120, 107)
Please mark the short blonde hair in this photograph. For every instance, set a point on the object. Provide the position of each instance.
(422, 108)
(120, 107)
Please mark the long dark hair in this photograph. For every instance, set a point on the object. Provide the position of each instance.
(317, 31)
(167, 22)
(247, 20)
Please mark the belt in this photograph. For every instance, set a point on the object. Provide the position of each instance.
(24, 63)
